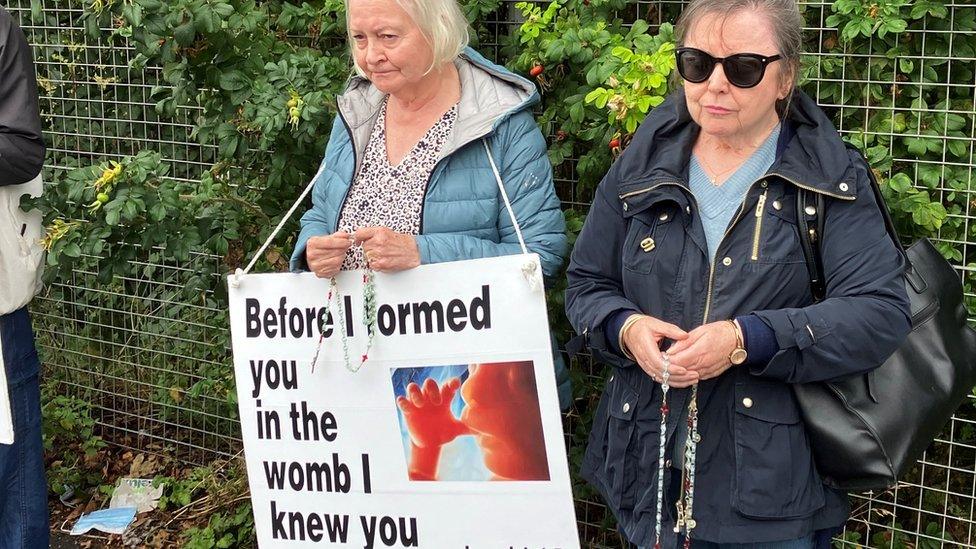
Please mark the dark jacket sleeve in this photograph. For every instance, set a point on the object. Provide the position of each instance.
(21, 143)
(866, 314)
(595, 283)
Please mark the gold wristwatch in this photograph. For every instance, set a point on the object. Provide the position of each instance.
(738, 355)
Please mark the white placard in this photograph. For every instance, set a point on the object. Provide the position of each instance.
(371, 459)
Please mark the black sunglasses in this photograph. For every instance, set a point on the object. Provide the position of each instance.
(743, 70)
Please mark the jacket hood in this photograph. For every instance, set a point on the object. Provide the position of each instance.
(814, 156)
(490, 94)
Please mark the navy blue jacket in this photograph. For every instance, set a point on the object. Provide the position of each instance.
(756, 479)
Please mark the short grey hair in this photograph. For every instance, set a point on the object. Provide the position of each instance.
(441, 22)
(784, 18)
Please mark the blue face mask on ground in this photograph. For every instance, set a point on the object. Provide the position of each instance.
(111, 521)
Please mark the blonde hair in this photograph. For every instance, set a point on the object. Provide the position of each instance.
(441, 22)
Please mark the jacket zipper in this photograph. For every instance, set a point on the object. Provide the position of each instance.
(645, 190)
(711, 269)
(759, 219)
(355, 163)
(655, 186)
(812, 189)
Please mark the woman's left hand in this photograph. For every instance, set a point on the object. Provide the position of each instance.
(387, 250)
(706, 350)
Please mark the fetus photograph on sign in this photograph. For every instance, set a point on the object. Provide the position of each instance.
(471, 422)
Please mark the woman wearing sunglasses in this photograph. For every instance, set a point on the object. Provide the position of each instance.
(689, 279)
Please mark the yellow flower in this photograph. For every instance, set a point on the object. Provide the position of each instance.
(57, 230)
(109, 175)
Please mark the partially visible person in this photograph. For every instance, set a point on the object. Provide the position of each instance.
(409, 168)
(23, 487)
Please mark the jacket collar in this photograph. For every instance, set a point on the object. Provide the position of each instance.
(812, 154)
(489, 95)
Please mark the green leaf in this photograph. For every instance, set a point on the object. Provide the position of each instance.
(233, 80)
(112, 216)
(133, 14)
(957, 147)
(900, 183)
(916, 145)
(72, 250)
(37, 11)
(865, 27)
(576, 112)
(223, 10)
(228, 146)
(631, 124)
(622, 53)
(895, 26)
(599, 97)
(130, 211)
(157, 212)
(639, 27)
(184, 34)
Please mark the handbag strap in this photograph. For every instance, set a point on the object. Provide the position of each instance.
(811, 228)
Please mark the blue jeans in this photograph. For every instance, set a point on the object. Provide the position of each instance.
(806, 542)
(23, 487)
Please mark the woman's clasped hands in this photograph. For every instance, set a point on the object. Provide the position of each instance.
(385, 250)
(697, 355)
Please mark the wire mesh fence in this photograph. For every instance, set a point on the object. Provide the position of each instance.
(105, 342)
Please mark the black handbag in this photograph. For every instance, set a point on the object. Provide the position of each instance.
(868, 430)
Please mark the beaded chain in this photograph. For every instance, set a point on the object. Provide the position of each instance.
(369, 320)
(369, 311)
(325, 316)
(665, 376)
(341, 323)
(685, 518)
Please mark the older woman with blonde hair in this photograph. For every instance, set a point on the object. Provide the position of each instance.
(409, 171)
(690, 280)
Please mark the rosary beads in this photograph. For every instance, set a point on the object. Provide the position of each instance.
(685, 522)
(665, 376)
(685, 518)
(369, 320)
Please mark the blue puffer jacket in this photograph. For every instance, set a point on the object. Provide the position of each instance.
(464, 215)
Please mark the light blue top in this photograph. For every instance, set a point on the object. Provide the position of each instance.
(717, 204)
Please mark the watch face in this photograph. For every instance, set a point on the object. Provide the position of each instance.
(738, 356)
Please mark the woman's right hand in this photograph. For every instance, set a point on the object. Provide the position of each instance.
(642, 340)
(324, 254)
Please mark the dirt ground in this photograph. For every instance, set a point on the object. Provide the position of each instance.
(155, 529)
(64, 541)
